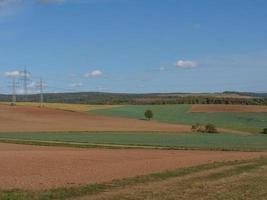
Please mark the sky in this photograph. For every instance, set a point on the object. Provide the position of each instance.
(134, 46)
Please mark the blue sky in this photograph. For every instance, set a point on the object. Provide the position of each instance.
(135, 45)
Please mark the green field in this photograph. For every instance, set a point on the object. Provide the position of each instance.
(247, 122)
(178, 141)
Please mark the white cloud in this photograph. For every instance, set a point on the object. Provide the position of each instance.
(186, 64)
(27, 74)
(34, 85)
(13, 74)
(95, 73)
(16, 74)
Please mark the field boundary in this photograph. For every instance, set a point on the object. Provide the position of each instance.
(116, 146)
(78, 144)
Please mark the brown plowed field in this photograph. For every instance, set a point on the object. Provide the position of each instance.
(227, 108)
(34, 119)
(36, 167)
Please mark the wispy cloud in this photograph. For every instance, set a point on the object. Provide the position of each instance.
(100, 88)
(51, 1)
(247, 60)
(9, 7)
(162, 69)
(12, 7)
(5, 3)
(76, 85)
(186, 64)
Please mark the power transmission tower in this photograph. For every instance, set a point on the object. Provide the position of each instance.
(41, 86)
(14, 91)
(26, 80)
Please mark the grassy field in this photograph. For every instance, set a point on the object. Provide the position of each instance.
(247, 122)
(149, 140)
(223, 180)
(69, 107)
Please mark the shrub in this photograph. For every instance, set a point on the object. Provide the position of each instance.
(148, 114)
(196, 127)
(264, 131)
(210, 128)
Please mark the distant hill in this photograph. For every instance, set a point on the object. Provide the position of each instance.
(152, 98)
(251, 94)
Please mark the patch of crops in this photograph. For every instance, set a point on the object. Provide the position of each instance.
(179, 141)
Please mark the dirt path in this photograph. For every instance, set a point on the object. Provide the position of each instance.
(34, 119)
(36, 167)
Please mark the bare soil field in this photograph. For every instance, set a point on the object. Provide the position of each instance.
(34, 119)
(37, 167)
(228, 108)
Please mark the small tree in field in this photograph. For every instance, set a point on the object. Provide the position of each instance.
(148, 114)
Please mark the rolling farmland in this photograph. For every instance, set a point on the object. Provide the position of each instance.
(69, 151)
(252, 122)
(133, 100)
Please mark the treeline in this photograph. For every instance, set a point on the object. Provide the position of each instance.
(204, 100)
(135, 99)
(251, 94)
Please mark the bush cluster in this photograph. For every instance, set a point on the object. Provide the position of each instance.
(208, 128)
(264, 131)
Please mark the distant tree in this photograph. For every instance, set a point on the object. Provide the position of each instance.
(148, 114)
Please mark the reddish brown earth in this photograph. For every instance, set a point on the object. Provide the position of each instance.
(227, 108)
(36, 167)
(34, 119)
